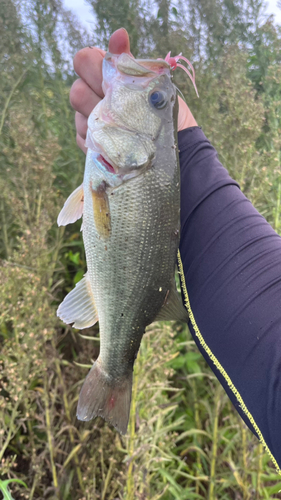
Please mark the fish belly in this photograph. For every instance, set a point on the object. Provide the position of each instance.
(132, 265)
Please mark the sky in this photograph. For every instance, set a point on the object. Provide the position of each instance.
(84, 12)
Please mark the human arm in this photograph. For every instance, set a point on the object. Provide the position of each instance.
(231, 286)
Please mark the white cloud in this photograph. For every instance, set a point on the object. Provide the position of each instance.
(83, 11)
(273, 9)
(86, 15)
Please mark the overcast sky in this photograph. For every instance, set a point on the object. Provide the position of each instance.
(84, 12)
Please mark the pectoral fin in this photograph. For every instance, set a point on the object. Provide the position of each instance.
(78, 307)
(101, 210)
(73, 207)
(172, 309)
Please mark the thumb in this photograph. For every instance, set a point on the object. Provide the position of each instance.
(119, 42)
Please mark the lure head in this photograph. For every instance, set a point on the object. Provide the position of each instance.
(174, 64)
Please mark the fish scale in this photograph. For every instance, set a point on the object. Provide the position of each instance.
(142, 271)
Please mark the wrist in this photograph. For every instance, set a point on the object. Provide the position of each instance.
(185, 118)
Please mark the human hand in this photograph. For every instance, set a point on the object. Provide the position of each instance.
(86, 92)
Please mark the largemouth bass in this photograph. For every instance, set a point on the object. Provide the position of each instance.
(130, 201)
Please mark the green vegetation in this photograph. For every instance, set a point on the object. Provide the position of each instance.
(185, 440)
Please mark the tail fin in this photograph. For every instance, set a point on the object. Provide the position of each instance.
(99, 397)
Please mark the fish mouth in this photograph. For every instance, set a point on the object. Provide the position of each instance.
(126, 173)
(106, 164)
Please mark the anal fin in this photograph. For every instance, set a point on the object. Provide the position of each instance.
(78, 306)
(173, 308)
(73, 207)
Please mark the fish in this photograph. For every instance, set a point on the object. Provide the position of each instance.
(130, 203)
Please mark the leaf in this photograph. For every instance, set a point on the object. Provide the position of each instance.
(74, 257)
(274, 489)
(78, 276)
(178, 362)
(159, 14)
(170, 479)
(191, 362)
(193, 367)
(83, 365)
(71, 455)
(192, 432)
(193, 356)
(5, 490)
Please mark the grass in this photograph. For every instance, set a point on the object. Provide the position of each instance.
(185, 440)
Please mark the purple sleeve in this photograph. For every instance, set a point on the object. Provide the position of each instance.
(230, 266)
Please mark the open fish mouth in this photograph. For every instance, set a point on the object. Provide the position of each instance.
(106, 164)
(135, 156)
(99, 154)
(114, 175)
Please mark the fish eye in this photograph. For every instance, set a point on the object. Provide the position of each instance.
(158, 99)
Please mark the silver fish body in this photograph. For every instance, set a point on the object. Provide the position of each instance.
(131, 226)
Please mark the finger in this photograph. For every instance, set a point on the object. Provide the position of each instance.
(82, 98)
(119, 42)
(88, 65)
(81, 125)
(88, 61)
(81, 143)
